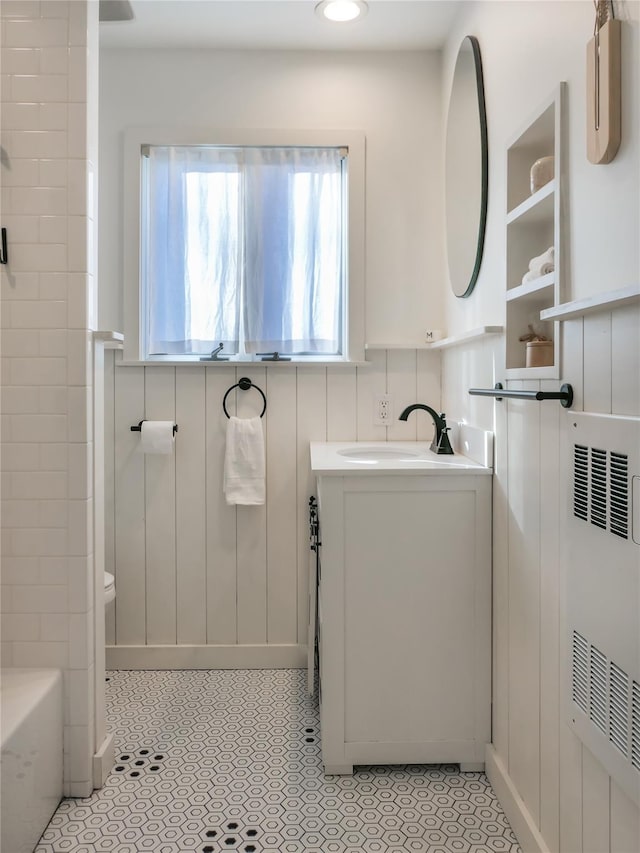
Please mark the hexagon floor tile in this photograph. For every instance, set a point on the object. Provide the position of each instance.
(219, 760)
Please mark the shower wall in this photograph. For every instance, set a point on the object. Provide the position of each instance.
(49, 161)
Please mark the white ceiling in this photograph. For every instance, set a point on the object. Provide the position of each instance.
(280, 25)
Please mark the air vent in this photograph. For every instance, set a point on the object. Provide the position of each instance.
(619, 490)
(601, 488)
(619, 708)
(635, 726)
(580, 671)
(608, 697)
(580, 481)
(598, 689)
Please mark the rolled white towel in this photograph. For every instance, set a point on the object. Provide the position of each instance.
(545, 262)
(532, 275)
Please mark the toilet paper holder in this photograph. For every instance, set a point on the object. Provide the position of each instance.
(139, 427)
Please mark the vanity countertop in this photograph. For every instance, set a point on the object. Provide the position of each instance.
(342, 458)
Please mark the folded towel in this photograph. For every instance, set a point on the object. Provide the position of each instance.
(533, 274)
(244, 467)
(546, 259)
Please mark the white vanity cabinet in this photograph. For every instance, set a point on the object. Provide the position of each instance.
(405, 617)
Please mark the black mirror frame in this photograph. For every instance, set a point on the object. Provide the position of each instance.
(484, 145)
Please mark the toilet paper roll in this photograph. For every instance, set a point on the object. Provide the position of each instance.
(157, 437)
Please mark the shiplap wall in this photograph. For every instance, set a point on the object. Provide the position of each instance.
(573, 803)
(199, 583)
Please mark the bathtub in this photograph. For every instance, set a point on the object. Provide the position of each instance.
(31, 765)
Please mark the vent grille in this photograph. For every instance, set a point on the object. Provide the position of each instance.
(608, 696)
(635, 727)
(581, 481)
(601, 489)
(580, 671)
(598, 690)
(619, 489)
(619, 708)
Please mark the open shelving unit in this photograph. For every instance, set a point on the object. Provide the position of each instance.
(533, 224)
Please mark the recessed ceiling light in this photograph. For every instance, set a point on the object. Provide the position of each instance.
(342, 11)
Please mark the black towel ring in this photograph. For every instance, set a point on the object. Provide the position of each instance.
(244, 384)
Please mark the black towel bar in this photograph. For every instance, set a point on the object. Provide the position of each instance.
(139, 428)
(244, 384)
(565, 394)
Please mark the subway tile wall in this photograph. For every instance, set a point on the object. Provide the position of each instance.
(48, 62)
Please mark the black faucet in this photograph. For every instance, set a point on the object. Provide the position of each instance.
(440, 443)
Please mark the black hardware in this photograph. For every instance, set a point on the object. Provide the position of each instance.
(444, 445)
(440, 443)
(314, 525)
(215, 354)
(4, 256)
(244, 384)
(272, 356)
(565, 394)
(139, 428)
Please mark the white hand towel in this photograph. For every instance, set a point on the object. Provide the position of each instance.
(544, 263)
(540, 265)
(244, 466)
(532, 275)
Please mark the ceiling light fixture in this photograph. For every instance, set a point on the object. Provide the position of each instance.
(341, 11)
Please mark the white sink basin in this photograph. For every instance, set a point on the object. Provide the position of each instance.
(387, 457)
(376, 454)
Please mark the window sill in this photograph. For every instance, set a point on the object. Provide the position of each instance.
(249, 365)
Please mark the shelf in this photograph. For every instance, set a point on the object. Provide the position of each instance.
(536, 208)
(444, 343)
(533, 290)
(399, 346)
(241, 364)
(110, 340)
(532, 223)
(593, 304)
(525, 373)
(466, 337)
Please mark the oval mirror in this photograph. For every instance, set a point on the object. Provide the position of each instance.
(466, 169)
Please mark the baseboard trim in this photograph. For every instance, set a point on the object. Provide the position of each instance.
(206, 657)
(518, 815)
(103, 761)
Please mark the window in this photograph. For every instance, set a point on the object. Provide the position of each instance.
(255, 246)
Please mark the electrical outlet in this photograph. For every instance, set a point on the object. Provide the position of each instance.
(382, 410)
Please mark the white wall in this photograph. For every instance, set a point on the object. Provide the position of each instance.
(49, 66)
(393, 97)
(191, 572)
(527, 48)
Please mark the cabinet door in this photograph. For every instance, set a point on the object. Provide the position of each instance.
(410, 615)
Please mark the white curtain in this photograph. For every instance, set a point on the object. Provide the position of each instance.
(245, 246)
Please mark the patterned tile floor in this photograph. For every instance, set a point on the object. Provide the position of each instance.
(230, 760)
